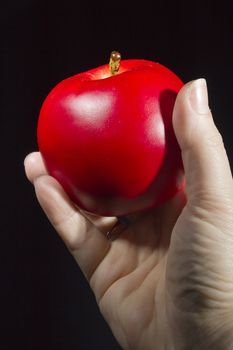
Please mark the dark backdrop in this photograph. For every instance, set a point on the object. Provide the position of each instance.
(45, 301)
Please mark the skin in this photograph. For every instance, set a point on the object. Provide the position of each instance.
(167, 281)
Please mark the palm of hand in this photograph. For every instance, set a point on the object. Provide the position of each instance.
(130, 281)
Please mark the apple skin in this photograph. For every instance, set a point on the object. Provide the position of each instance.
(108, 139)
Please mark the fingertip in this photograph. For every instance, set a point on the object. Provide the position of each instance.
(34, 166)
(191, 104)
(31, 158)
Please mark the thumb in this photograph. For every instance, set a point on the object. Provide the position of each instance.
(207, 169)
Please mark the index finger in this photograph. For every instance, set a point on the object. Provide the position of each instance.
(82, 235)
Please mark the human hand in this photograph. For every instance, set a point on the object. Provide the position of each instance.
(166, 282)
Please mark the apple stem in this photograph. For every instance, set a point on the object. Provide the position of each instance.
(114, 62)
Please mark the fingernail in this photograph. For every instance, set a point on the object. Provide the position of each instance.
(199, 96)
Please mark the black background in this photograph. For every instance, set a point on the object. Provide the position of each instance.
(45, 301)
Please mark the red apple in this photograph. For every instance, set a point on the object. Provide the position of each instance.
(106, 135)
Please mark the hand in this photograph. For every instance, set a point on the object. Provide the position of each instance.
(167, 281)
